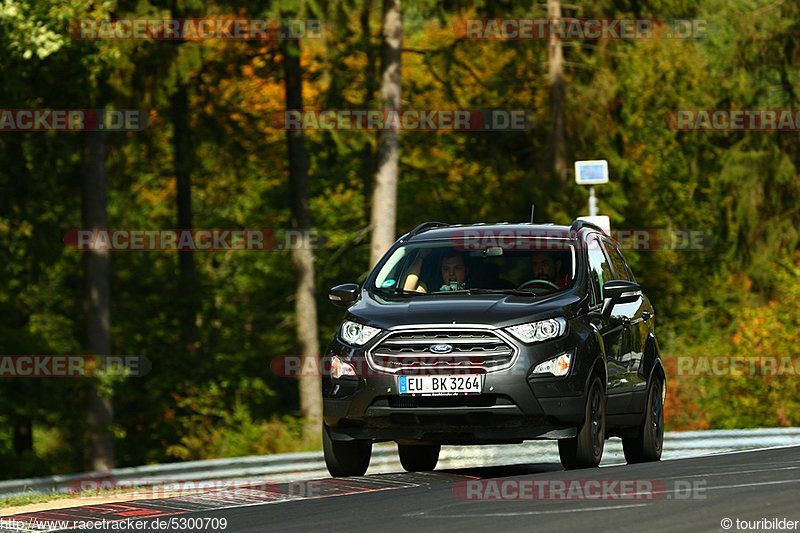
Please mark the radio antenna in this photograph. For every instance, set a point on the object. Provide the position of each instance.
(533, 208)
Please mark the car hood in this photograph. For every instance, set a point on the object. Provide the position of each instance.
(497, 310)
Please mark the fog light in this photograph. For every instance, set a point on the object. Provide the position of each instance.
(557, 366)
(339, 368)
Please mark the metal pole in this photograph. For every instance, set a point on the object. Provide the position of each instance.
(592, 202)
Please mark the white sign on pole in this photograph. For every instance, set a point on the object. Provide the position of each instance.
(591, 172)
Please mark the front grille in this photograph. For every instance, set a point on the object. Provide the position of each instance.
(410, 402)
(471, 351)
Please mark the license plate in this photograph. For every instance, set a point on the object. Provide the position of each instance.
(439, 385)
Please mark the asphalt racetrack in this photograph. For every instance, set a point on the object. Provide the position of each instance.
(749, 486)
(761, 487)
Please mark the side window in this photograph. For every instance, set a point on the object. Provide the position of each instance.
(621, 269)
(627, 268)
(599, 268)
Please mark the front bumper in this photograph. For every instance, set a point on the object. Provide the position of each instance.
(513, 406)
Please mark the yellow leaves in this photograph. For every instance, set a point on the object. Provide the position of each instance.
(162, 193)
(25, 228)
(258, 63)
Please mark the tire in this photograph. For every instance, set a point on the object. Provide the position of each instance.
(418, 457)
(345, 458)
(586, 449)
(647, 445)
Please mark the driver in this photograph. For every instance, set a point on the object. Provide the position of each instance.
(453, 269)
(546, 267)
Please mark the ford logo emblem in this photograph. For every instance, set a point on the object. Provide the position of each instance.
(440, 348)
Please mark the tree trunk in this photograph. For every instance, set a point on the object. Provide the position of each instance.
(98, 299)
(188, 298)
(367, 159)
(17, 194)
(23, 435)
(555, 60)
(305, 305)
(384, 197)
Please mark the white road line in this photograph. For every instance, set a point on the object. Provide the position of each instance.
(712, 487)
(758, 484)
(731, 473)
(731, 452)
(527, 513)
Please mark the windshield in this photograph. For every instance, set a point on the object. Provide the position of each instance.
(442, 266)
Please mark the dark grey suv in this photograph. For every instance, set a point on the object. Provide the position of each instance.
(494, 334)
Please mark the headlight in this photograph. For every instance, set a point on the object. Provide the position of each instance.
(357, 334)
(539, 331)
(557, 366)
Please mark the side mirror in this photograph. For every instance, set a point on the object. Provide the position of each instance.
(344, 295)
(619, 292)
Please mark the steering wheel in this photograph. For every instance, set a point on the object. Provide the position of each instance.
(537, 282)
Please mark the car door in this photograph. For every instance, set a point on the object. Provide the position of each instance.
(611, 329)
(633, 316)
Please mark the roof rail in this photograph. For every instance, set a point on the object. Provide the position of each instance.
(425, 226)
(578, 224)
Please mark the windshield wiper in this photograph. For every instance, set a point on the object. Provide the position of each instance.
(399, 292)
(516, 292)
(457, 291)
